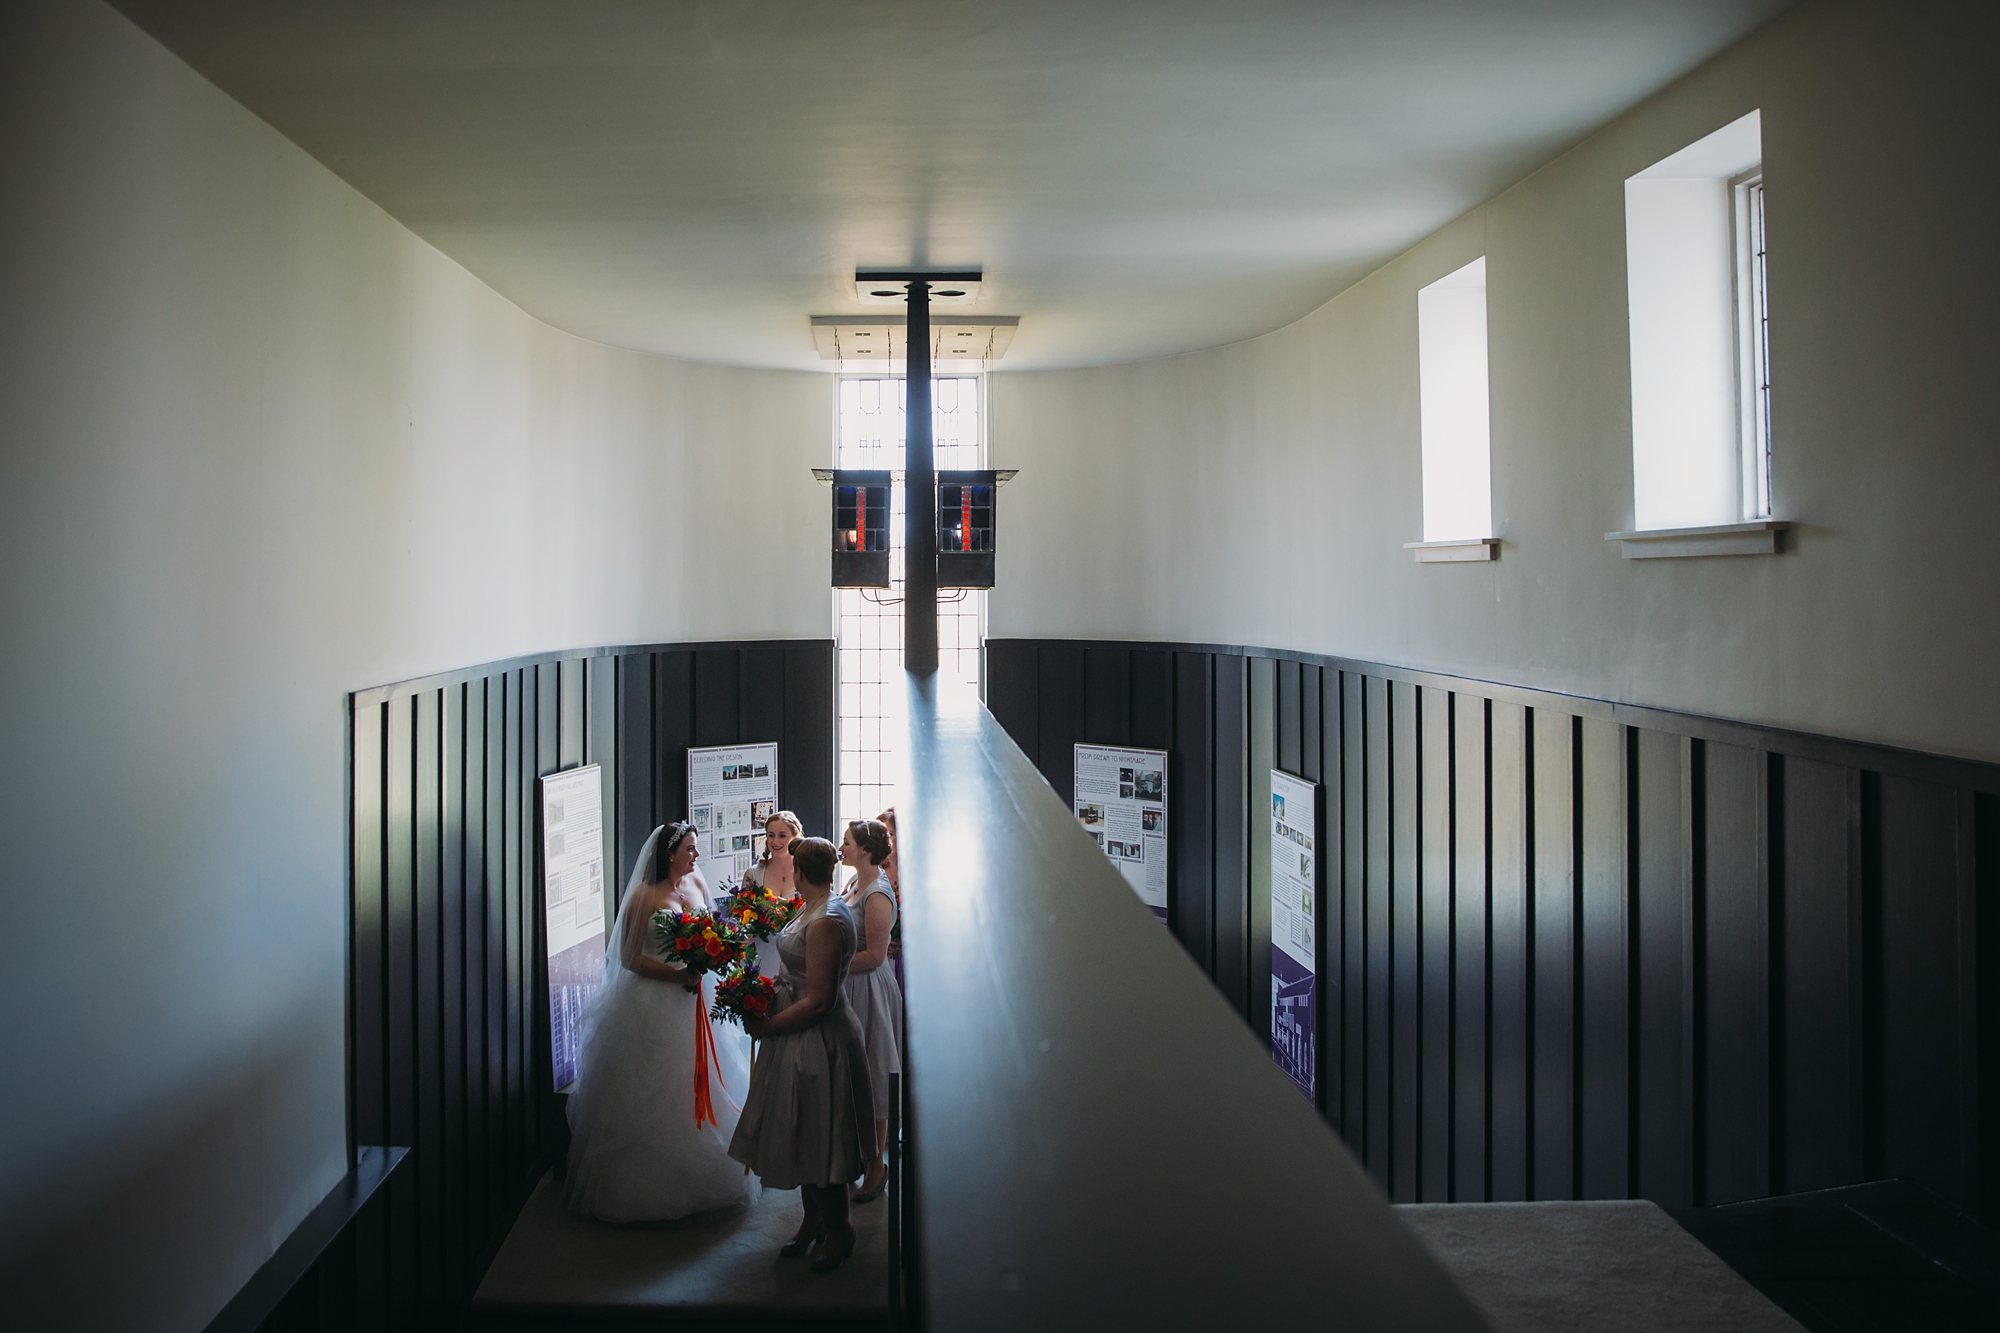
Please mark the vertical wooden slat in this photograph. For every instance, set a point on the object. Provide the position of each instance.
(499, 697)
(428, 904)
(1924, 1084)
(1736, 1108)
(1435, 948)
(1354, 909)
(1232, 814)
(1152, 700)
(1191, 790)
(1471, 989)
(1059, 709)
(1013, 688)
(519, 761)
(808, 773)
(1332, 894)
(763, 702)
(401, 1016)
(674, 732)
(1816, 894)
(368, 990)
(1378, 963)
(1263, 716)
(1554, 970)
(453, 983)
(718, 681)
(572, 685)
(601, 748)
(1405, 945)
(473, 817)
(1107, 696)
(1288, 681)
(1310, 733)
(637, 769)
(1510, 933)
(1662, 1158)
(1604, 1069)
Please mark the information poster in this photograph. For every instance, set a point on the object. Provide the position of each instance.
(732, 793)
(573, 904)
(1121, 801)
(1294, 891)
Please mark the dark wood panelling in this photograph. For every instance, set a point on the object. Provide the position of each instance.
(1661, 1149)
(1552, 822)
(1405, 947)
(1059, 715)
(1012, 684)
(1377, 971)
(448, 1010)
(1471, 994)
(1152, 700)
(1107, 696)
(1925, 1089)
(1353, 1049)
(1817, 917)
(1191, 778)
(1573, 948)
(1232, 830)
(1435, 947)
(1735, 979)
(1510, 933)
(1604, 1053)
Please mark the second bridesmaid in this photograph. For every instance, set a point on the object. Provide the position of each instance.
(871, 986)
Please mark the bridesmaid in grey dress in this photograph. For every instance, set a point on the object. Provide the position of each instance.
(808, 1117)
(871, 984)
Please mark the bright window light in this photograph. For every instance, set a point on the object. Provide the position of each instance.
(1452, 401)
(1694, 282)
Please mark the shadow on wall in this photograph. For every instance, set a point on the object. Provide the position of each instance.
(96, 1241)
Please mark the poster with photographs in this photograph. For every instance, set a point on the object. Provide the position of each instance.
(573, 902)
(1121, 801)
(732, 791)
(1294, 891)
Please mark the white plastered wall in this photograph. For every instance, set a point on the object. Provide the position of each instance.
(260, 446)
(1261, 493)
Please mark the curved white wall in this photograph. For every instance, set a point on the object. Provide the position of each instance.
(261, 447)
(1262, 493)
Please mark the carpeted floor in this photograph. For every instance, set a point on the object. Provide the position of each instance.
(722, 1264)
(1614, 1267)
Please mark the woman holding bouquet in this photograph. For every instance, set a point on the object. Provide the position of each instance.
(773, 875)
(808, 1118)
(637, 1148)
(871, 986)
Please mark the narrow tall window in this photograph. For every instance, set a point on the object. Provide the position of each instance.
(1753, 343)
(1695, 274)
(869, 622)
(1452, 403)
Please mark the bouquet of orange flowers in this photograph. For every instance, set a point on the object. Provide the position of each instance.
(700, 942)
(743, 994)
(761, 913)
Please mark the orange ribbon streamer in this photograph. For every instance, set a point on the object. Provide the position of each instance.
(705, 1057)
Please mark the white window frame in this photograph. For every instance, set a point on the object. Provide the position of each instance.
(1753, 341)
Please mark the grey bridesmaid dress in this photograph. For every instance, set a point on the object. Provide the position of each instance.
(809, 1117)
(878, 1004)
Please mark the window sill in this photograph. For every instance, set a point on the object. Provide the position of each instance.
(1759, 537)
(1455, 552)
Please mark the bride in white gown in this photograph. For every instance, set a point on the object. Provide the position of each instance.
(636, 1152)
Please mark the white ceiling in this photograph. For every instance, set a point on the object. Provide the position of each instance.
(1136, 177)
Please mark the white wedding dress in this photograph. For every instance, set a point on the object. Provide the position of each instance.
(635, 1151)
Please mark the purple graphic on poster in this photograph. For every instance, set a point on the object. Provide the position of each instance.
(1293, 991)
(572, 906)
(1294, 921)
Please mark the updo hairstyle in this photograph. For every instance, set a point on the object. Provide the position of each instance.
(813, 860)
(871, 838)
